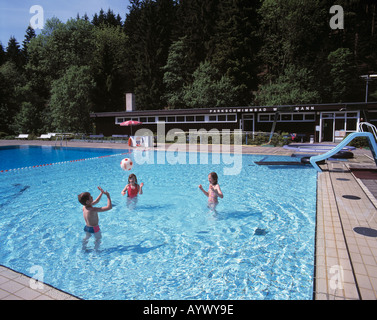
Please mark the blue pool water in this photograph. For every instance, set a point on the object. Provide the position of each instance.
(23, 156)
(259, 244)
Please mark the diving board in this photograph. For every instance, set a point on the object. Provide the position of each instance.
(340, 146)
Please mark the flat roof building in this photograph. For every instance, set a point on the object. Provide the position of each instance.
(325, 122)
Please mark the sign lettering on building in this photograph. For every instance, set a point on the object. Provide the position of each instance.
(261, 109)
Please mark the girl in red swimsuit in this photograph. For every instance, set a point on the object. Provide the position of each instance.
(132, 188)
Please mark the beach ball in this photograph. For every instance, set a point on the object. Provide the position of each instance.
(126, 164)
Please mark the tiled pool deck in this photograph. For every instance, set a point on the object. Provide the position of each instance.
(346, 233)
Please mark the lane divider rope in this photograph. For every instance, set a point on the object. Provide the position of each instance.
(62, 162)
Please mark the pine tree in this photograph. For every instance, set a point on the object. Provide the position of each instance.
(2, 54)
(14, 53)
(176, 75)
(197, 21)
(236, 45)
(30, 34)
(149, 27)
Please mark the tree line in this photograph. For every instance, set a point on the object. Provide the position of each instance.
(186, 54)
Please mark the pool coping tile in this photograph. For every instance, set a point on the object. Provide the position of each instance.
(16, 286)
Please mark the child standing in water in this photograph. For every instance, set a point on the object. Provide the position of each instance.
(214, 191)
(132, 188)
(91, 215)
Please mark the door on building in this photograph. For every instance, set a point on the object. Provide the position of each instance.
(335, 125)
(327, 130)
(248, 123)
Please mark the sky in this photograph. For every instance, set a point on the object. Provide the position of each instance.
(15, 15)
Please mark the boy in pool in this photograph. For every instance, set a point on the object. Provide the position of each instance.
(214, 190)
(132, 188)
(91, 215)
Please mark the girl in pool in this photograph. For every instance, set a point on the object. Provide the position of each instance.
(132, 188)
(214, 190)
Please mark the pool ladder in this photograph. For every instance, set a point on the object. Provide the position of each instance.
(61, 138)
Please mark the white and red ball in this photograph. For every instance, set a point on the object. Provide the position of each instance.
(126, 164)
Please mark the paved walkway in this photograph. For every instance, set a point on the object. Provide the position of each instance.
(16, 286)
(346, 235)
(346, 245)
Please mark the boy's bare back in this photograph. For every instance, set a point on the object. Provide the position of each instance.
(91, 213)
(90, 216)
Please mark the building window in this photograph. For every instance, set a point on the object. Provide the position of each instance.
(286, 117)
(298, 117)
(221, 118)
(181, 119)
(309, 117)
(264, 118)
(231, 118)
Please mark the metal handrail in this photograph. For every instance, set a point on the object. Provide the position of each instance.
(370, 126)
(61, 138)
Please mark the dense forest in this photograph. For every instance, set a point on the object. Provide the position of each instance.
(186, 54)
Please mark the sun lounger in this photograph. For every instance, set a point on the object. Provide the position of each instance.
(118, 138)
(45, 136)
(22, 136)
(96, 137)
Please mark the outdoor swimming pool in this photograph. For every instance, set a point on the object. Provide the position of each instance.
(259, 244)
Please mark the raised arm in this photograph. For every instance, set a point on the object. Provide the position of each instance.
(141, 188)
(205, 192)
(109, 204)
(99, 197)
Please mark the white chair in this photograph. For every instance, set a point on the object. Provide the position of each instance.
(22, 136)
(45, 136)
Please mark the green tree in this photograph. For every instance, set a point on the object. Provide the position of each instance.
(28, 119)
(30, 34)
(11, 81)
(292, 31)
(176, 75)
(59, 46)
(2, 54)
(108, 66)
(196, 24)
(207, 90)
(149, 26)
(236, 45)
(294, 86)
(343, 75)
(14, 53)
(70, 102)
(107, 19)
